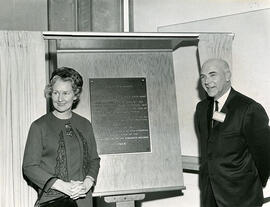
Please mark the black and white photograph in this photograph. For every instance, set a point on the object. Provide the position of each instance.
(135, 103)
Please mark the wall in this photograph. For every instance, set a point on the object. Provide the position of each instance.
(148, 15)
(29, 15)
(151, 14)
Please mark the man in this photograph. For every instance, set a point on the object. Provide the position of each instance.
(234, 140)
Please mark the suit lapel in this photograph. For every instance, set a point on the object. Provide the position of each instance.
(226, 106)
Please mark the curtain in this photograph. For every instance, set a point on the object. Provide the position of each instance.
(22, 80)
(217, 45)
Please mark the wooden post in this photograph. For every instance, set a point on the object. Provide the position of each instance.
(124, 200)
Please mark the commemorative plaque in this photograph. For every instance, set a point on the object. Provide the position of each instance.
(119, 114)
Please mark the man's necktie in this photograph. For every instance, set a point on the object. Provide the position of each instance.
(216, 109)
(216, 105)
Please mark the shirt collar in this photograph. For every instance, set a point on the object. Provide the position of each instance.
(223, 98)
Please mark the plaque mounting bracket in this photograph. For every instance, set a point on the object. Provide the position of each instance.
(124, 200)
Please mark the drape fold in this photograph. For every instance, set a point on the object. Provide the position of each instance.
(22, 80)
(215, 45)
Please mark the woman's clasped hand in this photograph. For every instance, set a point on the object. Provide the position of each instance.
(74, 189)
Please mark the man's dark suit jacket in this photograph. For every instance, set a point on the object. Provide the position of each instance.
(235, 154)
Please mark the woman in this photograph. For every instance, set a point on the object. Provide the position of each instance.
(61, 144)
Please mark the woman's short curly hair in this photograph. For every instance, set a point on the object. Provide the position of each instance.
(66, 74)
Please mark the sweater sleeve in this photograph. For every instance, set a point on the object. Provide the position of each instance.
(94, 158)
(32, 158)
